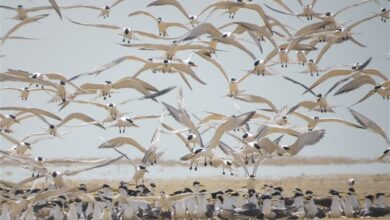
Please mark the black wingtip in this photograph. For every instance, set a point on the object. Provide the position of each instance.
(361, 67)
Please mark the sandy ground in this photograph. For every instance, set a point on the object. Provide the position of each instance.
(320, 185)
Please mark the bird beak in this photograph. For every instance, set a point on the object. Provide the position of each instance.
(201, 185)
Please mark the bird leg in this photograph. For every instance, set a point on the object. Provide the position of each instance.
(246, 160)
(205, 162)
(253, 160)
(191, 166)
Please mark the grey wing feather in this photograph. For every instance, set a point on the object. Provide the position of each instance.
(369, 124)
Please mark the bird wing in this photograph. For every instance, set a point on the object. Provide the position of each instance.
(143, 13)
(147, 66)
(154, 143)
(355, 83)
(368, 95)
(350, 6)
(176, 24)
(173, 3)
(298, 83)
(18, 73)
(207, 56)
(147, 34)
(219, 5)
(268, 145)
(7, 7)
(369, 124)
(267, 128)
(35, 111)
(257, 29)
(375, 72)
(281, 3)
(157, 94)
(349, 28)
(306, 139)
(255, 99)
(183, 118)
(260, 11)
(230, 124)
(325, 49)
(116, 2)
(149, 46)
(91, 87)
(131, 83)
(25, 181)
(311, 28)
(192, 47)
(302, 116)
(21, 23)
(91, 103)
(328, 75)
(56, 7)
(105, 26)
(9, 138)
(340, 121)
(181, 67)
(185, 79)
(39, 8)
(308, 104)
(236, 157)
(238, 45)
(279, 11)
(270, 55)
(145, 117)
(212, 116)
(205, 28)
(107, 66)
(81, 117)
(14, 89)
(75, 172)
(120, 141)
(178, 134)
(26, 161)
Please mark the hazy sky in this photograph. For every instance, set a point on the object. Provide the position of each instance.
(70, 49)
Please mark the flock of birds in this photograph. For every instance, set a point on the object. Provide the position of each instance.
(58, 201)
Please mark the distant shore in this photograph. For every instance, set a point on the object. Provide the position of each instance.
(281, 161)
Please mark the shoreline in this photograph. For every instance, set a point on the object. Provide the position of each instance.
(284, 161)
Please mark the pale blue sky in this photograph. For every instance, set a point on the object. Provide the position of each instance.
(70, 49)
